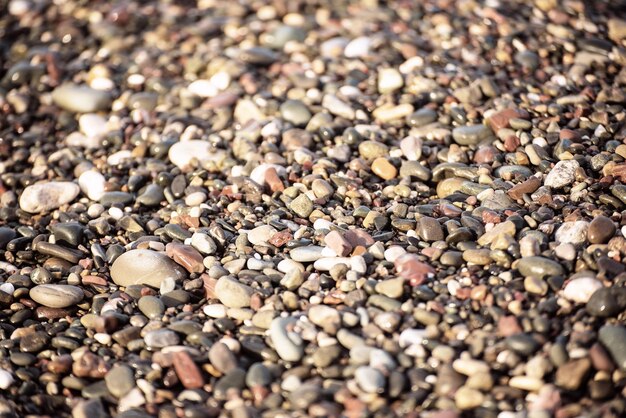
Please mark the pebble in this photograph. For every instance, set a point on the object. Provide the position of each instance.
(44, 197)
(186, 153)
(539, 267)
(302, 206)
(56, 295)
(572, 233)
(472, 134)
(306, 254)
(369, 379)
(613, 338)
(120, 380)
(287, 344)
(562, 174)
(580, 290)
(81, 99)
(6, 379)
(232, 293)
(161, 338)
(601, 230)
(384, 169)
(144, 267)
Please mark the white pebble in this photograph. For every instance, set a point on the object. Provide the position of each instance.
(6, 379)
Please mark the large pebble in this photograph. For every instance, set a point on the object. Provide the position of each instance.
(562, 174)
(92, 183)
(472, 134)
(183, 154)
(81, 99)
(580, 289)
(539, 267)
(56, 295)
(574, 232)
(145, 267)
(44, 197)
(613, 338)
(232, 293)
(370, 379)
(287, 344)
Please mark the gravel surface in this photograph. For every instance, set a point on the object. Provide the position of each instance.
(317, 208)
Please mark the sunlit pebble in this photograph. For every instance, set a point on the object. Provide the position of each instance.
(100, 83)
(7, 288)
(116, 213)
(19, 7)
(136, 80)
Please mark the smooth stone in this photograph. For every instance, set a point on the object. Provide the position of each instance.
(338, 107)
(203, 243)
(306, 254)
(607, 301)
(161, 338)
(389, 80)
(613, 338)
(92, 184)
(222, 358)
(371, 150)
(580, 290)
(145, 267)
(601, 230)
(233, 293)
(467, 398)
(152, 196)
(295, 112)
(261, 234)
(183, 153)
(392, 288)
(429, 229)
(120, 380)
(369, 379)
(6, 379)
(572, 233)
(506, 228)
(186, 256)
(70, 232)
(44, 197)
(116, 198)
(539, 267)
(325, 317)
(91, 408)
(81, 99)
(6, 235)
(151, 306)
(563, 174)
(288, 345)
(472, 134)
(56, 295)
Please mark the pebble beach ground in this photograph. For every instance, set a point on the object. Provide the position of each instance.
(323, 208)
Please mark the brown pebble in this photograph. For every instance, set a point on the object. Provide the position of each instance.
(186, 256)
(187, 371)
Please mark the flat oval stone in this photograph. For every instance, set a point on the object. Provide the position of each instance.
(472, 134)
(144, 267)
(81, 99)
(56, 295)
(182, 154)
(539, 267)
(44, 197)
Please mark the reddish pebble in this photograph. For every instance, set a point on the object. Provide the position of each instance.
(336, 242)
(60, 365)
(186, 256)
(90, 365)
(508, 325)
(410, 267)
(280, 238)
(94, 280)
(526, 187)
(187, 371)
(359, 237)
(273, 180)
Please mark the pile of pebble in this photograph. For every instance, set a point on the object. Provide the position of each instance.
(312, 208)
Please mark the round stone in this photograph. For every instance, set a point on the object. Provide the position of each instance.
(384, 169)
(56, 295)
(183, 154)
(601, 230)
(145, 267)
(232, 293)
(120, 380)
